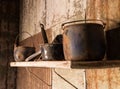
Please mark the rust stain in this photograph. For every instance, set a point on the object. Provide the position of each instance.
(66, 41)
(73, 36)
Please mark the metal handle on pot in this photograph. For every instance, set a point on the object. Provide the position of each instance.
(85, 21)
(43, 33)
(15, 43)
(33, 55)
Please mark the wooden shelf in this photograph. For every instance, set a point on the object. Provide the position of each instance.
(51, 64)
(68, 64)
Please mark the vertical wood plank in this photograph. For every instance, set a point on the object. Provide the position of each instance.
(108, 11)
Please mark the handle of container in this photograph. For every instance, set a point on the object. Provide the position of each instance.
(15, 43)
(85, 21)
(44, 35)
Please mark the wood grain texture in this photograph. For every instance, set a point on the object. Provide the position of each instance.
(35, 78)
(43, 64)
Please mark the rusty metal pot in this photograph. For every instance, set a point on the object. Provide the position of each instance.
(52, 52)
(22, 52)
(84, 40)
(49, 51)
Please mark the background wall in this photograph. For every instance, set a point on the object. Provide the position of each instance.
(52, 13)
(32, 13)
(9, 27)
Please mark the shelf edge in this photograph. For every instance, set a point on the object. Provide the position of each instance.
(48, 64)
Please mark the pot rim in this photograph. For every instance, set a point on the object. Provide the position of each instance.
(88, 21)
(82, 24)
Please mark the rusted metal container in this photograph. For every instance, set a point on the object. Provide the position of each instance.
(22, 52)
(84, 40)
(113, 44)
(52, 52)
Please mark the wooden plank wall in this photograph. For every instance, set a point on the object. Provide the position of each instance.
(34, 78)
(9, 27)
(32, 13)
(53, 13)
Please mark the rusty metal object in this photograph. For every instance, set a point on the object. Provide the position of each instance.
(33, 55)
(45, 39)
(113, 44)
(52, 52)
(22, 52)
(49, 51)
(83, 41)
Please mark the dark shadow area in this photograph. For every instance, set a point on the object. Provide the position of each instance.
(9, 28)
(95, 64)
(58, 39)
(113, 43)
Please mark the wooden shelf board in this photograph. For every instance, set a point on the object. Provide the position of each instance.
(50, 64)
(68, 64)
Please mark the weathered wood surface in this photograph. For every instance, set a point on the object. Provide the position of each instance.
(32, 13)
(43, 64)
(54, 12)
(37, 78)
